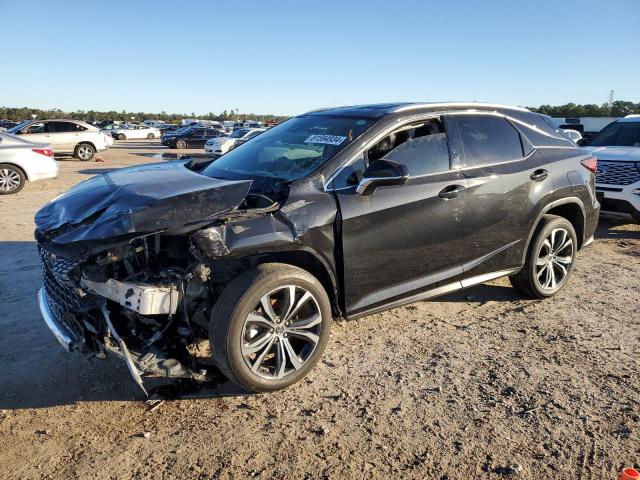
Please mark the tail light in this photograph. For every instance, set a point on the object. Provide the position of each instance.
(47, 152)
(590, 164)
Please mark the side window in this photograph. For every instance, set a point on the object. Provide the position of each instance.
(59, 127)
(421, 147)
(488, 139)
(198, 132)
(35, 128)
(351, 174)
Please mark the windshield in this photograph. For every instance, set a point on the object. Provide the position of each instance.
(292, 150)
(19, 127)
(618, 134)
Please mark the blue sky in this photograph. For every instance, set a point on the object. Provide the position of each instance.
(285, 57)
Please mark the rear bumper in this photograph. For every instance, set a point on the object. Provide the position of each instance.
(59, 331)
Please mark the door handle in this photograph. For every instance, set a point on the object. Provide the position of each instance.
(539, 175)
(452, 191)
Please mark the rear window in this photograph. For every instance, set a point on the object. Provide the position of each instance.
(488, 139)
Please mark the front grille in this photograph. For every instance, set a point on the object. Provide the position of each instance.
(64, 296)
(617, 173)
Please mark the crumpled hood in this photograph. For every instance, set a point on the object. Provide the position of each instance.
(139, 199)
(624, 154)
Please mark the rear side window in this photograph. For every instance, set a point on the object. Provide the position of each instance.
(60, 127)
(488, 139)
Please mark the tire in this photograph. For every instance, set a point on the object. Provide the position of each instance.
(550, 259)
(84, 152)
(151, 136)
(233, 321)
(121, 136)
(180, 144)
(12, 179)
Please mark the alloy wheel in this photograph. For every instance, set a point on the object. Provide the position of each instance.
(281, 332)
(85, 152)
(9, 180)
(554, 259)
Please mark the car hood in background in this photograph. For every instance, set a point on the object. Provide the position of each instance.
(624, 154)
(139, 199)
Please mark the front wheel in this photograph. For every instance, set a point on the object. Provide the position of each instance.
(550, 258)
(181, 144)
(84, 152)
(270, 326)
(151, 136)
(121, 136)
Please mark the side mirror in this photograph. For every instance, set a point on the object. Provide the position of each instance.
(382, 172)
(583, 142)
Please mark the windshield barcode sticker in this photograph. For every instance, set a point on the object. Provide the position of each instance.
(325, 139)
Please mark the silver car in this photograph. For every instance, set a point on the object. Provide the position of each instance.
(65, 136)
(21, 160)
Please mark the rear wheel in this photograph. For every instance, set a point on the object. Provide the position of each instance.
(84, 152)
(121, 136)
(12, 179)
(270, 326)
(181, 144)
(151, 136)
(550, 258)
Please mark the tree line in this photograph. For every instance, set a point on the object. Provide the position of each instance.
(619, 108)
(26, 113)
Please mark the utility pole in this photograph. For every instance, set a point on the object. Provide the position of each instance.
(610, 102)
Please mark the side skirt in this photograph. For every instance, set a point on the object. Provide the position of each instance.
(435, 292)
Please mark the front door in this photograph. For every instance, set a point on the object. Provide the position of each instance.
(404, 239)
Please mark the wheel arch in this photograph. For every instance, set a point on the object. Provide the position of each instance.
(24, 172)
(307, 260)
(571, 208)
(85, 142)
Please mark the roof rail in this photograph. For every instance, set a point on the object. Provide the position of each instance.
(416, 106)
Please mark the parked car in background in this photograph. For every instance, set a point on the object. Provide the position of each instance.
(337, 212)
(22, 161)
(65, 136)
(190, 137)
(617, 148)
(572, 134)
(136, 132)
(222, 145)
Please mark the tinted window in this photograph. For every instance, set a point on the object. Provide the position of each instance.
(621, 134)
(421, 147)
(488, 139)
(198, 132)
(60, 127)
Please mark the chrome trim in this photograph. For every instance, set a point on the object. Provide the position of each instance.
(435, 292)
(366, 182)
(58, 330)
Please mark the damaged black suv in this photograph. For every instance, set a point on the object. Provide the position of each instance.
(242, 263)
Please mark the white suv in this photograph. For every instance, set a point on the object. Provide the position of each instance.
(617, 148)
(65, 136)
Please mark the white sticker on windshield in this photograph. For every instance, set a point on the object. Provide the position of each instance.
(325, 139)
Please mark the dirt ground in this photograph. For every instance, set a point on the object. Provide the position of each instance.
(478, 384)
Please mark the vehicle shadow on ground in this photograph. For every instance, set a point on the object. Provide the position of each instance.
(35, 372)
(611, 229)
(96, 171)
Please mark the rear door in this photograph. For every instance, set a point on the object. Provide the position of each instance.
(402, 239)
(64, 136)
(506, 178)
(197, 138)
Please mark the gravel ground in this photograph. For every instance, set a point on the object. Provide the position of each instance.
(479, 384)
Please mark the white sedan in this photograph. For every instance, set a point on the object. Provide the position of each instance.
(132, 132)
(222, 145)
(22, 161)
